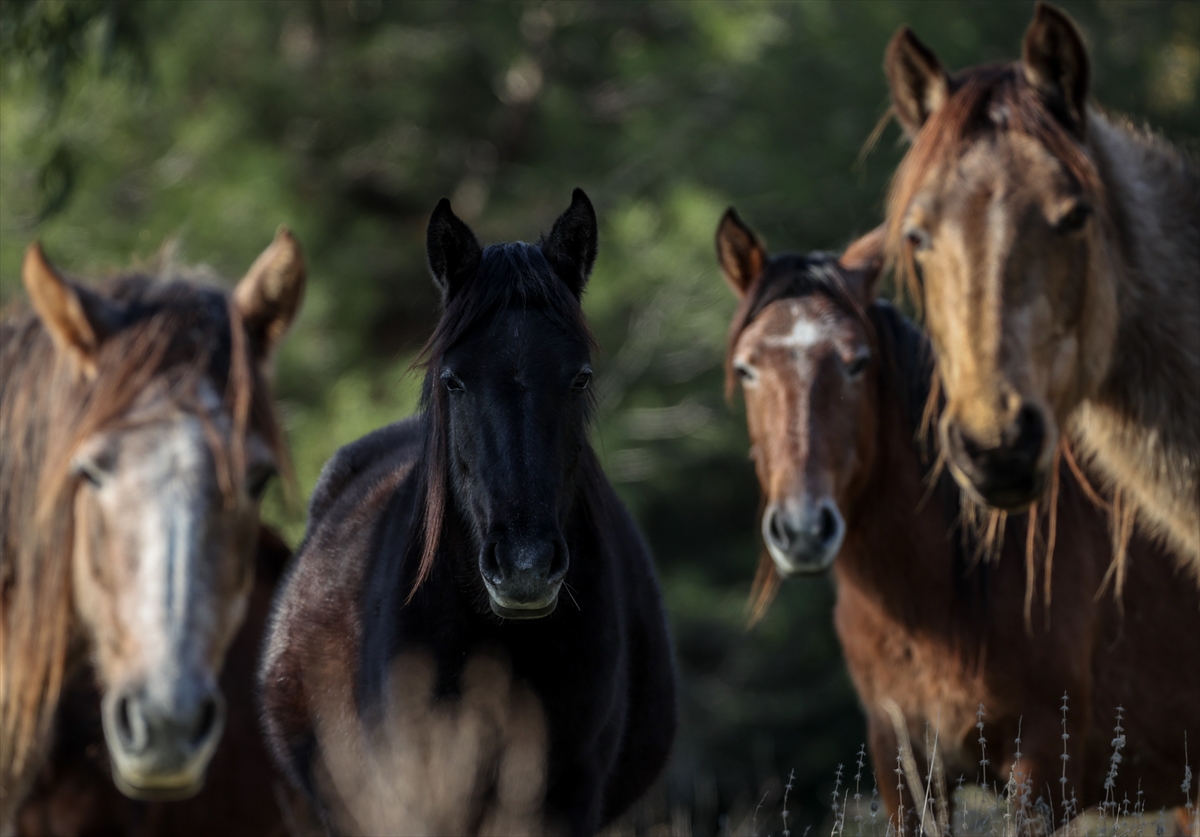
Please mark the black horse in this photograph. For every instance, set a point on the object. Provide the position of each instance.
(459, 530)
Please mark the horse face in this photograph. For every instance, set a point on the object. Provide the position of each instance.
(803, 365)
(163, 566)
(1003, 252)
(996, 206)
(516, 390)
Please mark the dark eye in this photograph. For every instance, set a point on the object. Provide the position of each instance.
(856, 367)
(1074, 219)
(89, 473)
(257, 481)
(581, 381)
(917, 238)
(745, 373)
(95, 465)
(453, 384)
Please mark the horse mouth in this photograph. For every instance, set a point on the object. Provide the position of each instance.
(523, 610)
(794, 566)
(1007, 490)
(158, 788)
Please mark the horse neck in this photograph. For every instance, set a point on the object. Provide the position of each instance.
(1154, 252)
(898, 545)
(1141, 423)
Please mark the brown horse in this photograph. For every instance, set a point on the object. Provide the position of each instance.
(137, 434)
(835, 385)
(1057, 252)
(242, 795)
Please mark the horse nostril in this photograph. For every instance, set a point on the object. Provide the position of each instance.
(777, 529)
(132, 732)
(489, 564)
(207, 721)
(558, 562)
(1029, 432)
(829, 525)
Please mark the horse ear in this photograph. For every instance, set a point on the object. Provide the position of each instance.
(78, 319)
(863, 264)
(1055, 61)
(452, 250)
(740, 253)
(269, 295)
(571, 246)
(918, 83)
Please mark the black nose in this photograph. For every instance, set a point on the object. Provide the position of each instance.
(1005, 475)
(804, 533)
(171, 730)
(524, 570)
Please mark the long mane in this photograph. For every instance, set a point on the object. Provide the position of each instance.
(509, 274)
(172, 331)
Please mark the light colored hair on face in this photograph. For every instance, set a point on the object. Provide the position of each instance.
(473, 764)
(47, 409)
(959, 121)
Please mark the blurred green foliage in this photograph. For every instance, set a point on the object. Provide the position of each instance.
(162, 130)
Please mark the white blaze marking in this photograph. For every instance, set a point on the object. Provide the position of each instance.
(805, 333)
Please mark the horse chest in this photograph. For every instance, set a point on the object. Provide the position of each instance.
(919, 671)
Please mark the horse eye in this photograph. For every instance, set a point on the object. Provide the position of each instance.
(89, 473)
(1074, 219)
(453, 384)
(856, 367)
(745, 373)
(258, 480)
(582, 380)
(918, 238)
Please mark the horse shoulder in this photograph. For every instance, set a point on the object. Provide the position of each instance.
(315, 633)
(351, 460)
(650, 726)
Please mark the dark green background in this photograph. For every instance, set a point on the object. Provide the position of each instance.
(143, 131)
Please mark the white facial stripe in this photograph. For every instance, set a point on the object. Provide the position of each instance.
(805, 332)
(170, 538)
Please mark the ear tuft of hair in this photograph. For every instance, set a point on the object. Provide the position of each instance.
(1054, 61)
(452, 249)
(918, 83)
(740, 253)
(77, 319)
(572, 243)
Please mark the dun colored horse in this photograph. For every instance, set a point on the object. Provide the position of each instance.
(243, 794)
(137, 434)
(1058, 255)
(835, 385)
(484, 524)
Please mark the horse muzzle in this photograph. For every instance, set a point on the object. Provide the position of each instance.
(1009, 475)
(803, 538)
(160, 749)
(523, 576)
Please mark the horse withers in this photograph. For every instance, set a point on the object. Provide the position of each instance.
(1057, 254)
(138, 435)
(931, 616)
(484, 525)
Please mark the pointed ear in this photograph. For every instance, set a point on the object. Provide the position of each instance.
(740, 253)
(268, 297)
(1055, 61)
(78, 319)
(916, 79)
(571, 246)
(452, 250)
(863, 264)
